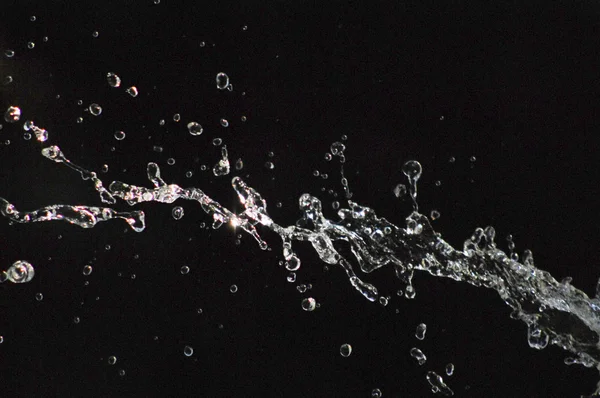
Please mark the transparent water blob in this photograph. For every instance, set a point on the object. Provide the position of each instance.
(222, 81)
(95, 109)
(12, 114)
(113, 80)
(133, 91)
(20, 272)
(194, 128)
(346, 350)
(177, 212)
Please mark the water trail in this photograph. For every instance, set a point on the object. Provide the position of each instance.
(555, 312)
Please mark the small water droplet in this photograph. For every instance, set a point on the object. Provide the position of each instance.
(346, 350)
(217, 141)
(12, 114)
(39, 296)
(87, 270)
(177, 212)
(95, 109)
(194, 128)
(222, 81)
(30, 45)
(185, 270)
(233, 288)
(113, 80)
(188, 351)
(133, 91)
(119, 135)
(224, 123)
(112, 360)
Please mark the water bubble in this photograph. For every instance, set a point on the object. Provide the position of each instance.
(20, 272)
(400, 191)
(39, 296)
(435, 214)
(7, 80)
(87, 270)
(346, 350)
(233, 288)
(376, 393)
(188, 351)
(222, 81)
(133, 91)
(113, 80)
(217, 141)
(185, 270)
(30, 45)
(420, 332)
(177, 212)
(119, 135)
(450, 369)
(12, 114)
(224, 123)
(337, 148)
(95, 109)
(418, 355)
(194, 128)
(112, 360)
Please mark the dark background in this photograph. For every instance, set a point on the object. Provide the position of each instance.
(514, 84)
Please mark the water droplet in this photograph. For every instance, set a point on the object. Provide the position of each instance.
(244, 118)
(104, 168)
(202, 44)
(291, 277)
(119, 135)
(269, 165)
(194, 128)
(224, 123)
(7, 80)
(177, 212)
(39, 296)
(79, 120)
(9, 53)
(435, 214)
(170, 161)
(328, 156)
(420, 332)
(12, 114)
(45, 39)
(472, 158)
(189, 174)
(337, 148)
(122, 372)
(410, 292)
(185, 270)
(450, 369)
(156, 1)
(412, 169)
(32, 18)
(87, 270)
(95, 34)
(112, 360)
(20, 272)
(233, 288)
(376, 393)
(452, 159)
(30, 45)
(384, 301)
(346, 350)
(158, 149)
(27, 136)
(176, 117)
(222, 81)
(335, 205)
(400, 191)
(418, 355)
(76, 320)
(133, 91)
(217, 141)
(95, 109)
(113, 80)
(293, 264)
(188, 351)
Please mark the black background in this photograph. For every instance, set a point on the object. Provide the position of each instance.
(514, 84)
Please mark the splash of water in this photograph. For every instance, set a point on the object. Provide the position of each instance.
(555, 312)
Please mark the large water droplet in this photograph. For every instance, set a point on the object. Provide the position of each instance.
(309, 304)
(20, 272)
(113, 80)
(222, 81)
(194, 128)
(12, 114)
